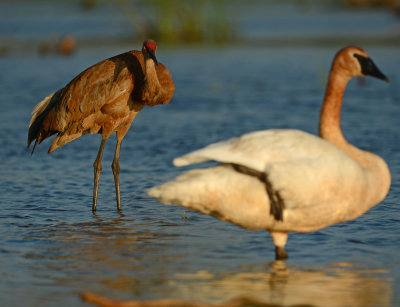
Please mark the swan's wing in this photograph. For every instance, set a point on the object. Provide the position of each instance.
(312, 199)
(219, 191)
(257, 149)
(305, 170)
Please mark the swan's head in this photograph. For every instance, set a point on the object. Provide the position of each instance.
(149, 48)
(354, 62)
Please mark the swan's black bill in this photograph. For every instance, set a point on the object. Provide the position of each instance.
(369, 68)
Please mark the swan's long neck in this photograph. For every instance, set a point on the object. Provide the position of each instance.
(329, 129)
(329, 125)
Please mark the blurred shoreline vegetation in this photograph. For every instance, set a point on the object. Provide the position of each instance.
(193, 22)
(176, 21)
(209, 21)
(391, 4)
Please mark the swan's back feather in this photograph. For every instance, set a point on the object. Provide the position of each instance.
(257, 149)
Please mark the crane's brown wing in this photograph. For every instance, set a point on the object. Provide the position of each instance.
(119, 79)
(99, 85)
(104, 83)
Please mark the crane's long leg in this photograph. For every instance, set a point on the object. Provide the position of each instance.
(97, 170)
(115, 168)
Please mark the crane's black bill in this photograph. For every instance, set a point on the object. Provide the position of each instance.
(369, 68)
(153, 55)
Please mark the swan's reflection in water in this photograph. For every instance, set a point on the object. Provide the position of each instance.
(340, 284)
(147, 259)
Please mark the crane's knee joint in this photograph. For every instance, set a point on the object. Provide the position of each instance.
(115, 167)
(97, 166)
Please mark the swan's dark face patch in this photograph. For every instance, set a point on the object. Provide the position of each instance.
(368, 67)
(276, 201)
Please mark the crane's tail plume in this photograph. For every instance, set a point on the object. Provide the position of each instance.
(39, 113)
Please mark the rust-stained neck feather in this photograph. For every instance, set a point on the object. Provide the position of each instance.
(329, 125)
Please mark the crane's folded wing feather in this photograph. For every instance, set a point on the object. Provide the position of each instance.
(95, 87)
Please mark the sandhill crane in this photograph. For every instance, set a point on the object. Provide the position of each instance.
(287, 180)
(105, 98)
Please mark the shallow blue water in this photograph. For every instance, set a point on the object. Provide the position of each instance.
(52, 247)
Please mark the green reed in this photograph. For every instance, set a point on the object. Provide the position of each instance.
(189, 21)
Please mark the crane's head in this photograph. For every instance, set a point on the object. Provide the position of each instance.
(150, 48)
(356, 62)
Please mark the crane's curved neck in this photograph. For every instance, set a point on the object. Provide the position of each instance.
(150, 74)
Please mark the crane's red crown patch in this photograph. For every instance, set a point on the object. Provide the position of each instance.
(150, 45)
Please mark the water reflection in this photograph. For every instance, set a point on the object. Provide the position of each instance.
(121, 254)
(119, 241)
(279, 284)
(147, 258)
(282, 284)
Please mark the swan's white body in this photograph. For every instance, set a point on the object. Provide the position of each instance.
(322, 181)
(320, 184)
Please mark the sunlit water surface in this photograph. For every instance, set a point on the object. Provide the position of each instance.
(52, 247)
